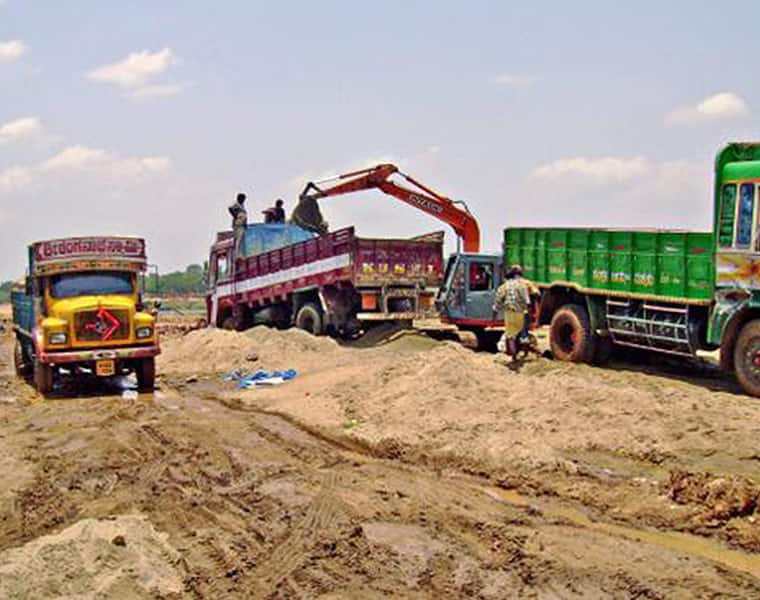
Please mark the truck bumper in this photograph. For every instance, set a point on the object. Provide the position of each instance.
(81, 356)
(393, 316)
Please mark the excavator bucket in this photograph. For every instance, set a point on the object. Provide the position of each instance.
(307, 215)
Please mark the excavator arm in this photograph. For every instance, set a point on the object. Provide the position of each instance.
(456, 214)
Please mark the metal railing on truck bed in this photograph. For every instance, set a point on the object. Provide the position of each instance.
(336, 257)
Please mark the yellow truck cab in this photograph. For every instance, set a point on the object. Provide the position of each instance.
(80, 310)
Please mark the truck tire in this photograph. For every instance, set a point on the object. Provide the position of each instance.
(230, 324)
(21, 361)
(747, 358)
(309, 318)
(603, 349)
(487, 340)
(570, 335)
(43, 377)
(146, 374)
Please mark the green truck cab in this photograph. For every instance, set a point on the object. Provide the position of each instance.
(674, 292)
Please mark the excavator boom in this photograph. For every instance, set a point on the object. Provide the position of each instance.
(456, 214)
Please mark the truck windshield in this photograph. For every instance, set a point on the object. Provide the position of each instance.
(71, 285)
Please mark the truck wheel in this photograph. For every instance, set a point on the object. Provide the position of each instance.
(229, 324)
(20, 360)
(309, 318)
(146, 374)
(43, 377)
(747, 358)
(570, 334)
(487, 340)
(604, 347)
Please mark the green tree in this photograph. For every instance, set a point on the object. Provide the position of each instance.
(5, 291)
(189, 281)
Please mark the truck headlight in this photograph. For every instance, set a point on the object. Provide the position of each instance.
(56, 339)
(144, 332)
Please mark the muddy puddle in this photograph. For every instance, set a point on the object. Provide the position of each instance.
(688, 544)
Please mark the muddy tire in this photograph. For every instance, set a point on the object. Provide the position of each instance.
(487, 340)
(21, 361)
(603, 350)
(747, 358)
(43, 377)
(309, 318)
(570, 335)
(229, 324)
(146, 374)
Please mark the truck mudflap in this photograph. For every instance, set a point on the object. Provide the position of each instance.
(74, 356)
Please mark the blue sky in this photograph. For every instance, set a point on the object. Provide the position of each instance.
(147, 117)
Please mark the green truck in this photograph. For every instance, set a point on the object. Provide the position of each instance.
(674, 292)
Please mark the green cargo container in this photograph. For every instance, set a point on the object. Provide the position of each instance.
(599, 259)
(541, 244)
(556, 254)
(528, 261)
(674, 265)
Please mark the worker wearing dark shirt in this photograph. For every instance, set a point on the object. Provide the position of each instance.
(275, 214)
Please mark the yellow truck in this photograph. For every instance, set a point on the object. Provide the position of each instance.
(80, 311)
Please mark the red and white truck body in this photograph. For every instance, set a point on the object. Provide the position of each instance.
(334, 283)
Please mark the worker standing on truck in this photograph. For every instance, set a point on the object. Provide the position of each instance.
(276, 213)
(514, 297)
(239, 221)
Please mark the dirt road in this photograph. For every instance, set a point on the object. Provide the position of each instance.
(375, 475)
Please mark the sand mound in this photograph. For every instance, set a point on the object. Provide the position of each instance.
(205, 351)
(83, 561)
(216, 350)
(289, 341)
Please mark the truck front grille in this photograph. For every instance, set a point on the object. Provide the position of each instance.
(101, 325)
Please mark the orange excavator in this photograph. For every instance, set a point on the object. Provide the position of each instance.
(308, 216)
(466, 297)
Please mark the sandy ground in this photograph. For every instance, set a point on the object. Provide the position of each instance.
(395, 466)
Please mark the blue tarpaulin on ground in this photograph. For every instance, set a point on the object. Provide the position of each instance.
(260, 378)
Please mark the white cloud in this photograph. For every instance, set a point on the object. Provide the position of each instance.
(515, 81)
(95, 162)
(724, 105)
(593, 170)
(75, 157)
(160, 90)
(136, 70)
(14, 178)
(12, 50)
(19, 128)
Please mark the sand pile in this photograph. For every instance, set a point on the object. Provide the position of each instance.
(216, 350)
(124, 557)
(450, 399)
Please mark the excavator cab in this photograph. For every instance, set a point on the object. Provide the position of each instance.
(470, 282)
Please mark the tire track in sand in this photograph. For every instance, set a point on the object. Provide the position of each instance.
(292, 552)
